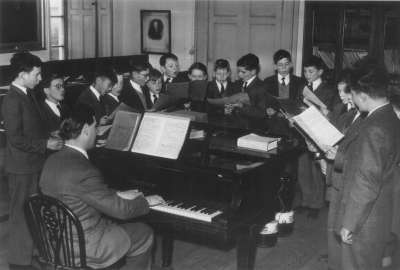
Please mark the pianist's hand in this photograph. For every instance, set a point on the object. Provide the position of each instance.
(154, 200)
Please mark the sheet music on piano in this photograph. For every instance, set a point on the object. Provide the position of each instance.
(161, 135)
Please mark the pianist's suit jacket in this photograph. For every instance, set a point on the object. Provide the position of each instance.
(87, 97)
(50, 119)
(132, 99)
(260, 99)
(26, 136)
(70, 177)
(295, 86)
(109, 103)
(369, 205)
(213, 90)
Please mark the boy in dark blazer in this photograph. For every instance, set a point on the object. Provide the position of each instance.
(135, 91)
(284, 84)
(310, 178)
(53, 110)
(70, 177)
(154, 84)
(221, 85)
(169, 66)
(262, 104)
(26, 145)
(102, 83)
(111, 100)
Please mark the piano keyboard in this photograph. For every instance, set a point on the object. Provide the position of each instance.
(187, 210)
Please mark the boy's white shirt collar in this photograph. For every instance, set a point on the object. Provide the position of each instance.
(287, 78)
(81, 150)
(316, 83)
(94, 91)
(113, 96)
(53, 107)
(249, 81)
(23, 89)
(136, 86)
(373, 110)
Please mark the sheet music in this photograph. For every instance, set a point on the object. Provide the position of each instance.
(320, 130)
(161, 135)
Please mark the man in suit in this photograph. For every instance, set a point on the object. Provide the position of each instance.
(135, 91)
(262, 104)
(110, 101)
(51, 108)
(27, 142)
(310, 178)
(366, 213)
(169, 66)
(102, 83)
(70, 177)
(284, 84)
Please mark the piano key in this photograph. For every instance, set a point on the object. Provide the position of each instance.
(203, 214)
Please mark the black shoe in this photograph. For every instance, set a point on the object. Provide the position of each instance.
(313, 213)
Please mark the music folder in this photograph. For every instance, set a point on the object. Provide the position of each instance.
(313, 125)
(198, 90)
(123, 130)
(178, 90)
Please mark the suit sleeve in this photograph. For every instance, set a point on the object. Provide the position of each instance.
(95, 193)
(12, 113)
(367, 180)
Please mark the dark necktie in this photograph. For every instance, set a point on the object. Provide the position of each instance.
(244, 87)
(310, 86)
(59, 108)
(154, 99)
(222, 88)
(283, 81)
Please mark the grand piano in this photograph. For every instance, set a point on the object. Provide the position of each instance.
(217, 194)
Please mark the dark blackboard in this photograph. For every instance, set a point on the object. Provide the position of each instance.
(20, 25)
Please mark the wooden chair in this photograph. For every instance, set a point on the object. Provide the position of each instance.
(57, 233)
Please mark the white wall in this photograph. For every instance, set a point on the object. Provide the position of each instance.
(126, 19)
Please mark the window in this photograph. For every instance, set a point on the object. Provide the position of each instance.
(57, 30)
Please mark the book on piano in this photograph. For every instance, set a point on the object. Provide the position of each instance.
(312, 124)
(161, 135)
(257, 142)
(123, 130)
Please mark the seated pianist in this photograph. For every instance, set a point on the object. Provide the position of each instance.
(69, 176)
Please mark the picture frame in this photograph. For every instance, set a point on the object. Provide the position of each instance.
(21, 25)
(155, 26)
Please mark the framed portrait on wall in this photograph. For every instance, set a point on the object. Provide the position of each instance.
(155, 28)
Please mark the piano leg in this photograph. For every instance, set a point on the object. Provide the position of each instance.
(246, 251)
(167, 246)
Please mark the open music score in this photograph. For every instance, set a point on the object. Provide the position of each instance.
(161, 135)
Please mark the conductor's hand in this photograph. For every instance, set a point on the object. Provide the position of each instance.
(54, 143)
(104, 120)
(154, 200)
(331, 153)
(347, 236)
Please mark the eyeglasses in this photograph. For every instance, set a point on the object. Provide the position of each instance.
(59, 86)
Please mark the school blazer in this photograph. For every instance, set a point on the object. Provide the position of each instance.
(295, 86)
